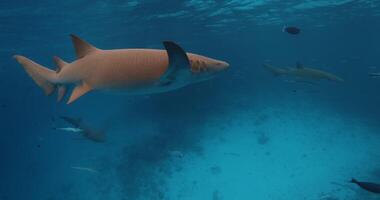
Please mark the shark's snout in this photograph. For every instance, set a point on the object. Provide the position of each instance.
(224, 65)
(219, 66)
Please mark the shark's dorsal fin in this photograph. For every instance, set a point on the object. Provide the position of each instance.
(178, 63)
(60, 63)
(78, 91)
(82, 48)
(299, 65)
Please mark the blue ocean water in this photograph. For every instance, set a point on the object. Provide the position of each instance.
(244, 134)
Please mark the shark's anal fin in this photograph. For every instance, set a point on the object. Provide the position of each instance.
(178, 63)
(82, 48)
(78, 91)
(61, 92)
(59, 62)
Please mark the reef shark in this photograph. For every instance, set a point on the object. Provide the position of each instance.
(85, 130)
(133, 71)
(301, 71)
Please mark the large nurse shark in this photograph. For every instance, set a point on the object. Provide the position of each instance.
(132, 71)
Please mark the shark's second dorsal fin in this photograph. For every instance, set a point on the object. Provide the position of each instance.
(60, 63)
(82, 48)
(299, 65)
(179, 63)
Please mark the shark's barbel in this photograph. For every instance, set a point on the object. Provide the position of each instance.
(134, 71)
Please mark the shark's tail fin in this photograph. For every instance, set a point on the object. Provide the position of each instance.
(43, 76)
(274, 70)
(332, 77)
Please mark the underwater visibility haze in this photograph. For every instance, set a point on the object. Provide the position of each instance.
(180, 100)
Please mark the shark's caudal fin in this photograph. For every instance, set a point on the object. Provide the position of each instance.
(43, 76)
(275, 70)
(48, 79)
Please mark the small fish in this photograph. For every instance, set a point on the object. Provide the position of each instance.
(370, 187)
(85, 169)
(291, 30)
(70, 129)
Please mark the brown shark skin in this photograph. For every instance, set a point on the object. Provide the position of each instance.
(134, 71)
(122, 69)
(305, 72)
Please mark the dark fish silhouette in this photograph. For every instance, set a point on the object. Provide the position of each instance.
(291, 30)
(374, 75)
(370, 187)
(88, 132)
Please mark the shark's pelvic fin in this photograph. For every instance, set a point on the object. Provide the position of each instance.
(178, 63)
(82, 48)
(43, 76)
(78, 91)
(59, 62)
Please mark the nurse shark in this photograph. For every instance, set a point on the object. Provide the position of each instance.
(301, 71)
(132, 71)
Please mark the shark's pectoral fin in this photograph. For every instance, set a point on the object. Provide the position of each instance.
(82, 48)
(79, 91)
(179, 64)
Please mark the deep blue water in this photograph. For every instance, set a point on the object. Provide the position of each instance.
(316, 137)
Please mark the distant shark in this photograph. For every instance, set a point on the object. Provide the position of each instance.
(301, 71)
(134, 71)
(87, 169)
(374, 75)
(85, 130)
